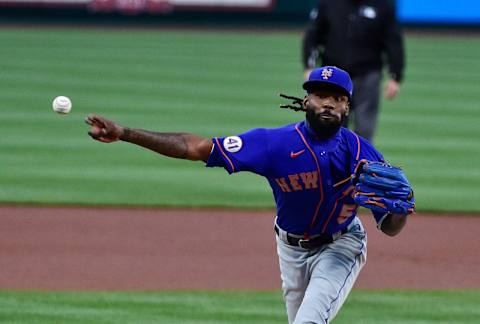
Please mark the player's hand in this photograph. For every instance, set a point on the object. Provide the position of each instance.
(392, 88)
(102, 129)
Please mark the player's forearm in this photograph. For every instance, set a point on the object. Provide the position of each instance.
(393, 224)
(175, 145)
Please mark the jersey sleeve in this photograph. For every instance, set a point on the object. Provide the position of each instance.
(244, 152)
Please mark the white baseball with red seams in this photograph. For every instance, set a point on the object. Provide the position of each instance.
(62, 105)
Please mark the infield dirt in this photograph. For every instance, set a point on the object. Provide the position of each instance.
(72, 248)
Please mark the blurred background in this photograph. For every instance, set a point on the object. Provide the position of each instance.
(445, 13)
(213, 68)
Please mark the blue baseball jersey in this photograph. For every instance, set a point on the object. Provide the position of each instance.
(310, 178)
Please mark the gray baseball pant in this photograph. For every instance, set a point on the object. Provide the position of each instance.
(317, 282)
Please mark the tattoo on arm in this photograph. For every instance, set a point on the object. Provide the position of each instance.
(170, 144)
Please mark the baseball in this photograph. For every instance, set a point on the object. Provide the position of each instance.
(62, 105)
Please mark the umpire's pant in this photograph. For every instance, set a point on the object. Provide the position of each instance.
(365, 104)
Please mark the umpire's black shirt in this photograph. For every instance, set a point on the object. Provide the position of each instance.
(355, 35)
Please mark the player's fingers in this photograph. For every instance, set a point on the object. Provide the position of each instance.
(93, 121)
(89, 120)
(97, 120)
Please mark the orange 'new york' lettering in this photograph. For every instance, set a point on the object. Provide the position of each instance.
(294, 182)
(310, 179)
(283, 184)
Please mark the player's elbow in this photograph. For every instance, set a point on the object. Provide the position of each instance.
(200, 151)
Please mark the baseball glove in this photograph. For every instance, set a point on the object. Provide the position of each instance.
(382, 187)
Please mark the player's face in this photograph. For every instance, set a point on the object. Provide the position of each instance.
(326, 110)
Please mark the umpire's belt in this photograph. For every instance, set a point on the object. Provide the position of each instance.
(314, 242)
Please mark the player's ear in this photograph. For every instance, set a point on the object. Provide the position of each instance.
(347, 108)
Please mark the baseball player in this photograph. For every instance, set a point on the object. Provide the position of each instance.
(319, 173)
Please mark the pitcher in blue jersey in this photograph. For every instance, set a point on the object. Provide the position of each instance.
(309, 165)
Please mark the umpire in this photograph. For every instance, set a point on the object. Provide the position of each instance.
(358, 36)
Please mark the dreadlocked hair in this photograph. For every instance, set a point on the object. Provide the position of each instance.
(296, 104)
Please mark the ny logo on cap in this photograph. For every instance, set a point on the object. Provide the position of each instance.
(326, 73)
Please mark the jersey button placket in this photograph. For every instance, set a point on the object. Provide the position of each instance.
(321, 155)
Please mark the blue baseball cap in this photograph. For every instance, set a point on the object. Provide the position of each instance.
(329, 75)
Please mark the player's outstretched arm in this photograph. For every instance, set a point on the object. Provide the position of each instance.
(176, 145)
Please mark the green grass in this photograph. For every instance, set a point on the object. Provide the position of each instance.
(412, 307)
(231, 307)
(210, 83)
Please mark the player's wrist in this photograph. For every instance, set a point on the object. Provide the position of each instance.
(124, 133)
